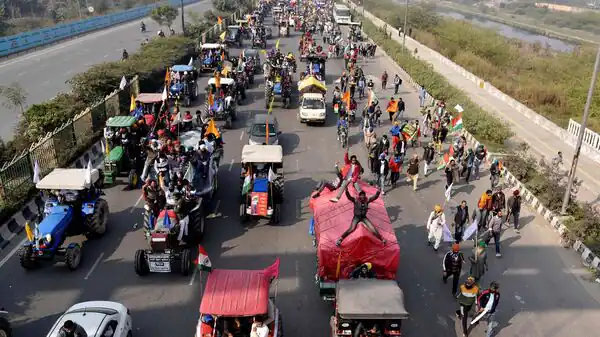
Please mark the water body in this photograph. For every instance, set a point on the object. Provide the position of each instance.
(511, 32)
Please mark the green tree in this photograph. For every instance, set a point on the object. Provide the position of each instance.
(14, 96)
(164, 15)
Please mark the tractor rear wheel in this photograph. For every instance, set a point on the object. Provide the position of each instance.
(73, 257)
(140, 263)
(186, 261)
(97, 222)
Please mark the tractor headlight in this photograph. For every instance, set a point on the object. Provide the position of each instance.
(48, 237)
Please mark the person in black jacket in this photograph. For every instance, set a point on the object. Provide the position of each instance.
(361, 205)
(428, 155)
(452, 264)
(489, 300)
(461, 218)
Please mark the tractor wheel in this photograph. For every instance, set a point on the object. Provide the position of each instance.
(73, 257)
(97, 222)
(26, 257)
(186, 261)
(140, 263)
(132, 180)
(5, 329)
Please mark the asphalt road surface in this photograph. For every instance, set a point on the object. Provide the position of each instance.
(44, 73)
(544, 291)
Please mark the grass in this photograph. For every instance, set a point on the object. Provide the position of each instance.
(552, 84)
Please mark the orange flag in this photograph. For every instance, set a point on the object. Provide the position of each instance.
(211, 99)
(219, 20)
(222, 56)
(346, 99)
(168, 76)
(392, 106)
(217, 80)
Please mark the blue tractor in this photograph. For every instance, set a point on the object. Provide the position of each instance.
(74, 207)
(279, 83)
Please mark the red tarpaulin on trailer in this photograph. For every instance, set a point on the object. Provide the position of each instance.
(238, 293)
(332, 219)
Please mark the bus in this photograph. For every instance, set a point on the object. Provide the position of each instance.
(341, 14)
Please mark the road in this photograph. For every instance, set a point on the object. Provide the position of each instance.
(542, 293)
(44, 73)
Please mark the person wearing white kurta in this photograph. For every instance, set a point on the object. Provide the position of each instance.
(435, 227)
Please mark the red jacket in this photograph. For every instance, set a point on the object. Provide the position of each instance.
(395, 167)
(348, 165)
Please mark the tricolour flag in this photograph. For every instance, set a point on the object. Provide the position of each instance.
(446, 159)
(247, 184)
(457, 122)
(203, 261)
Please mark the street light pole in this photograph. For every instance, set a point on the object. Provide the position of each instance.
(182, 19)
(405, 24)
(586, 114)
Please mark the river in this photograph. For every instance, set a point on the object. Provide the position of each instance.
(509, 31)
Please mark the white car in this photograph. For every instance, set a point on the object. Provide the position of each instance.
(312, 108)
(98, 319)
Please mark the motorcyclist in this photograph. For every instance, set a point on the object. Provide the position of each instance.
(125, 55)
(143, 26)
(172, 31)
(342, 124)
(337, 95)
(160, 33)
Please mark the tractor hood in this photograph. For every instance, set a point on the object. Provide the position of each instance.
(56, 220)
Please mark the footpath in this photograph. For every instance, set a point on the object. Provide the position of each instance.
(543, 143)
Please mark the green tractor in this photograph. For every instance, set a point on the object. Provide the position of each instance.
(120, 160)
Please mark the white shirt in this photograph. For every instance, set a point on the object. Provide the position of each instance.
(228, 100)
(490, 303)
(262, 331)
(433, 222)
(382, 166)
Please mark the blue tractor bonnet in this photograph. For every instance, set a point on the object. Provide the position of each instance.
(182, 68)
(56, 221)
(177, 87)
(208, 60)
(277, 87)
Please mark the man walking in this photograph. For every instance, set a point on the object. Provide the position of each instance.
(461, 219)
(452, 264)
(435, 227)
(397, 83)
(514, 209)
(495, 228)
(488, 302)
(422, 96)
(466, 297)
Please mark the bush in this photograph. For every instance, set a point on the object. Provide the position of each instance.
(554, 84)
(485, 127)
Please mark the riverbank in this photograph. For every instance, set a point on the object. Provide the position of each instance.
(524, 23)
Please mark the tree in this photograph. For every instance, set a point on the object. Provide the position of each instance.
(164, 15)
(14, 96)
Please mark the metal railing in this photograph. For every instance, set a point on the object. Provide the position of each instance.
(590, 138)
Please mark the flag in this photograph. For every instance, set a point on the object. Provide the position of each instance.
(165, 96)
(222, 36)
(203, 261)
(447, 234)
(339, 265)
(272, 271)
(123, 83)
(392, 107)
(223, 56)
(211, 100)
(219, 20)
(29, 231)
(191, 63)
(105, 147)
(217, 80)
(372, 98)
(272, 175)
(457, 122)
(168, 76)
(459, 108)
(346, 99)
(36, 172)
(246, 185)
(212, 128)
(469, 231)
(264, 52)
(448, 193)
(478, 317)
(445, 160)
(277, 44)
(409, 131)
(88, 172)
(132, 104)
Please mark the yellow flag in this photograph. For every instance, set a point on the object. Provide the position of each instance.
(277, 44)
(212, 128)
(263, 51)
(28, 231)
(132, 104)
(222, 36)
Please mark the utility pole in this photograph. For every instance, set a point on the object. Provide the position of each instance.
(586, 114)
(405, 24)
(182, 19)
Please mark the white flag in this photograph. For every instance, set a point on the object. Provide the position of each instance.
(123, 83)
(470, 230)
(191, 63)
(88, 172)
(272, 175)
(165, 96)
(103, 147)
(448, 192)
(447, 235)
(459, 108)
(36, 172)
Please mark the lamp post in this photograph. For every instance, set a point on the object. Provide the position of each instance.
(182, 19)
(586, 114)
(405, 24)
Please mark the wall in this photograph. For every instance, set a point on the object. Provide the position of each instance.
(40, 37)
